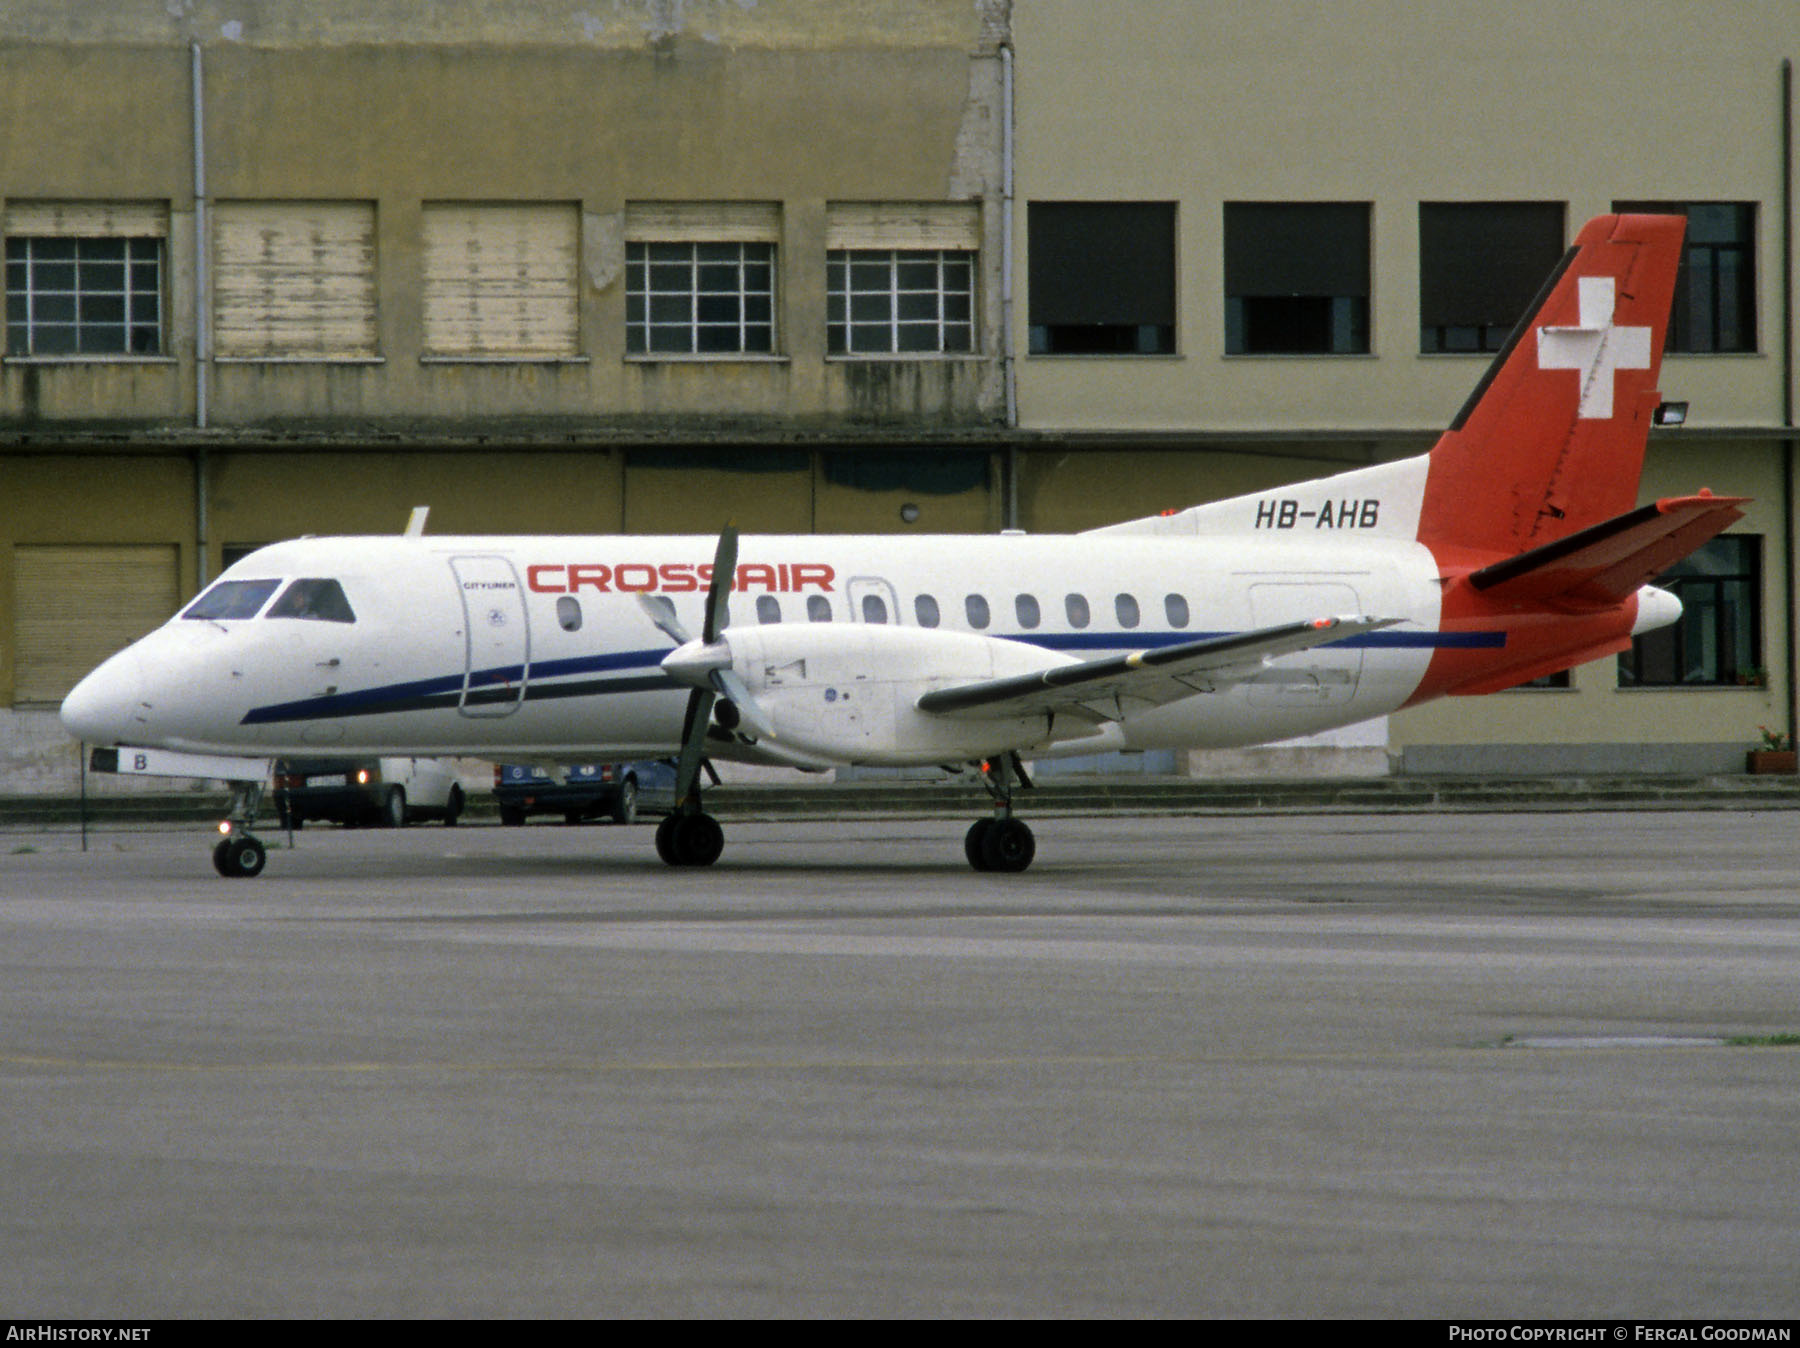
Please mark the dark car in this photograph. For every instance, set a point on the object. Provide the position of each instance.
(384, 791)
(615, 791)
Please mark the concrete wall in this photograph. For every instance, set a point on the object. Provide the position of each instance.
(787, 103)
(1389, 103)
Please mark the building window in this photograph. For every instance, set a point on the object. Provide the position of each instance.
(899, 303)
(500, 281)
(294, 281)
(695, 299)
(900, 277)
(1102, 278)
(85, 278)
(1480, 266)
(700, 277)
(1715, 289)
(1718, 639)
(1296, 279)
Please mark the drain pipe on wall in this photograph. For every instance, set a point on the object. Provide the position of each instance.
(202, 332)
(1787, 391)
(202, 336)
(1009, 373)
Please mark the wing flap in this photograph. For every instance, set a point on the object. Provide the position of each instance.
(1112, 687)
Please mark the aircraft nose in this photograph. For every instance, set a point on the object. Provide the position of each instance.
(104, 706)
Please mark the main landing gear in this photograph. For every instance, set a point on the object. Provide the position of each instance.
(1001, 843)
(689, 839)
(238, 853)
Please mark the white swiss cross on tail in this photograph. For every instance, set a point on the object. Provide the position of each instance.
(1595, 348)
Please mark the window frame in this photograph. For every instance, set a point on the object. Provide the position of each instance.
(1685, 581)
(1681, 337)
(843, 298)
(1483, 261)
(28, 292)
(1292, 285)
(644, 258)
(1103, 278)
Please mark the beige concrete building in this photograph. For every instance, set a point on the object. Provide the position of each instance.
(938, 265)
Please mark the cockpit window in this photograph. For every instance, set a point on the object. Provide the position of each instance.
(232, 599)
(319, 600)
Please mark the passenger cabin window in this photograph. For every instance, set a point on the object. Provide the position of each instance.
(1026, 607)
(568, 613)
(818, 608)
(1125, 606)
(768, 609)
(316, 600)
(1176, 607)
(232, 599)
(1076, 606)
(874, 609)
(976, 607)
(925, 609)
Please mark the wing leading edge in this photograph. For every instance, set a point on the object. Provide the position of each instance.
(1098, 690)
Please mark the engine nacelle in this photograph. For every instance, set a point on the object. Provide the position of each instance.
(847, 691)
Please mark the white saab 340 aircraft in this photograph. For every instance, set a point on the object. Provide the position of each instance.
(1514, 549)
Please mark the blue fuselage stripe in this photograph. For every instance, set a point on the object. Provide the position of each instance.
(574, 677)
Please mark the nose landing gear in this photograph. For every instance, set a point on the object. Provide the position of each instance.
(238, 854)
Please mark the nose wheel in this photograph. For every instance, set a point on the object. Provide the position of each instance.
(238, 854)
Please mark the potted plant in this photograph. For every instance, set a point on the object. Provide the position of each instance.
(1775, 755)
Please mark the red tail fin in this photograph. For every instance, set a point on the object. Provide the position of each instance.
(1552, 439)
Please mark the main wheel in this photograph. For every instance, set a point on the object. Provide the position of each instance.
(239, 855)
(1009, 845)
(453, 806)
(665, 839)
(690, 840)
(393, 808)
(972, 841)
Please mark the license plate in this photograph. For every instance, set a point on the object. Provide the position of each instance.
(329, 779)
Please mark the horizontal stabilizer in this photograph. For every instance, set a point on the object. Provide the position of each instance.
(1099, 690)
(1605, 562)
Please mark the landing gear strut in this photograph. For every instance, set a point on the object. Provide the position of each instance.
(1001, 843)
(238, 853)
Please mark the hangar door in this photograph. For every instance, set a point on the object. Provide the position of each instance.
(75, 605)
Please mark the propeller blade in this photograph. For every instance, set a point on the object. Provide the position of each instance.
(693, 747)
(661, 611)
(719, 592)
(700, 701)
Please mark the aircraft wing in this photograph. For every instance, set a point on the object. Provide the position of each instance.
(1110, 688)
